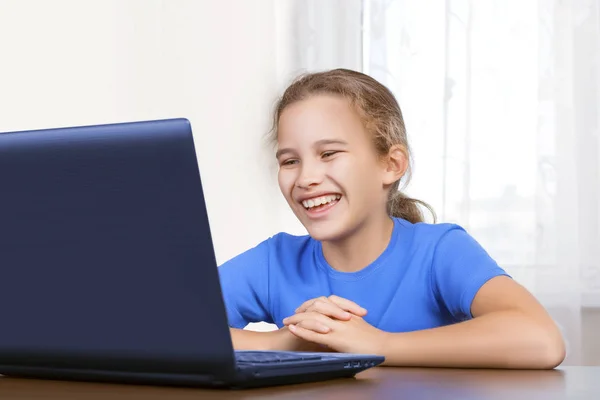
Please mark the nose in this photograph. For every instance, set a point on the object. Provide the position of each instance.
(310, 175)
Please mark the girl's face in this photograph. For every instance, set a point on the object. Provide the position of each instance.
(329, 171)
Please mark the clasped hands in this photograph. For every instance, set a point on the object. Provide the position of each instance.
(336, 323)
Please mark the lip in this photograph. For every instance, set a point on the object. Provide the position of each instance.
(313, 195)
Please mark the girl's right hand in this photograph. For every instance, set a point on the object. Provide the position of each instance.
(333, 307)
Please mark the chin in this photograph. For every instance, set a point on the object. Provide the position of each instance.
(331, 227)
(325, 231)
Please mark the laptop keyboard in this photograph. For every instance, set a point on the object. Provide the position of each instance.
(267, 357)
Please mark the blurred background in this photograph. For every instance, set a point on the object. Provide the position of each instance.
(501, 100)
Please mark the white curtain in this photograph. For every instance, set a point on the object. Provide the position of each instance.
(316, 35)
(501, 99)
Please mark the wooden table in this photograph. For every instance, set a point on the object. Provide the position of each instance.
(377, 383)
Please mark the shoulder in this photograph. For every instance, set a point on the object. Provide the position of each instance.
(426, 236)
(440, 243)
(427, 229)
(286, 242)
(280, 245)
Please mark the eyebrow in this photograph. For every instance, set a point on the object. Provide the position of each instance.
(318, 143)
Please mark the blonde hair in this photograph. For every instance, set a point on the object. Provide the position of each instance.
(381, 116)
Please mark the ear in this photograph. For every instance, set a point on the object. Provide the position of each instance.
(395, 164)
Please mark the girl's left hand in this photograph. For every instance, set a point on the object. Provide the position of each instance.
(352, 336)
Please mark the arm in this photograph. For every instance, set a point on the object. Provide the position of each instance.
(510, 329)
(281, 339)
(244, 286)
(250, 340)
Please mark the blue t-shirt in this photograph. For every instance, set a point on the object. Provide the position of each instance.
(426, 277)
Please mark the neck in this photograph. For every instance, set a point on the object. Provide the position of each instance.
(361, 247)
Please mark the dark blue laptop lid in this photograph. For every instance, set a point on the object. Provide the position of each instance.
(106, 257)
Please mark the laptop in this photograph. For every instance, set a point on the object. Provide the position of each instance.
(107, 266)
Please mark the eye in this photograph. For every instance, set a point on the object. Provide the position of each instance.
(289, 162)
(328, 153)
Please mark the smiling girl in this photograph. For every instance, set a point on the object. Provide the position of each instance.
(371, 276)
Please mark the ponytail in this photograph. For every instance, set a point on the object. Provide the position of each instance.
(401, 206)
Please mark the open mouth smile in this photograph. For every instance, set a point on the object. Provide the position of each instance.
(317, 206)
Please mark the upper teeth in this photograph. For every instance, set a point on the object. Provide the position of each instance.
(317, 201)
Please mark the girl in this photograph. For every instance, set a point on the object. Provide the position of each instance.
(371, 276)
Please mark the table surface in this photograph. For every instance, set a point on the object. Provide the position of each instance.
(376, 383)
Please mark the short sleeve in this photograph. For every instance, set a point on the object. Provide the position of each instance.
(245, 285)
(460, 268)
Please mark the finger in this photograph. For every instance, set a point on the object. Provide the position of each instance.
(348, 305)
(314, 326)
(310, 335)
(329, 309)
(298, 318)
(309, 303)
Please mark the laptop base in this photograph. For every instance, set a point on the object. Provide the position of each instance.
(245, 379)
